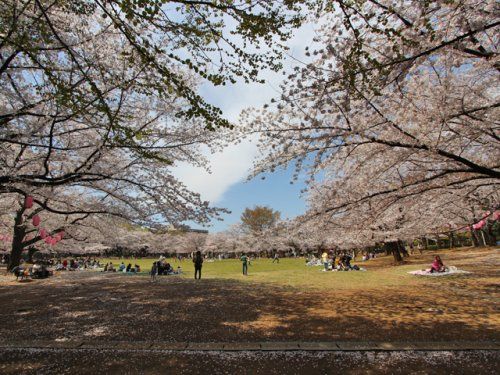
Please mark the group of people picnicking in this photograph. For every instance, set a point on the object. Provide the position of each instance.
(368, 255)
(76, 264)
(331, 261)
(162, 267)
(338, 262)
(109, 267)
(37, 271)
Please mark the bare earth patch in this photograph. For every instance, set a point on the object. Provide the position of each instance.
(109, 307)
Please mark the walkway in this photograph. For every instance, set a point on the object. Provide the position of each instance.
(335, 346)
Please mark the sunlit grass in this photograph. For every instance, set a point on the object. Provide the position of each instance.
(293, 272)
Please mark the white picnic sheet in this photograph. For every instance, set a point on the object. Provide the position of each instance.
(452, 270)
(315, 262)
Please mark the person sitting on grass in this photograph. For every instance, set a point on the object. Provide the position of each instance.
(343, 263)
(168, 269)
(437, 265)
(19, 272)
(121, 267)
(111, 268)
(137, 268)
(333, 260)
(347, 261)
(340, 265)
(129, 267)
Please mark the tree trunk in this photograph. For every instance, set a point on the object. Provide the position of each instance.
(31, 251)
(490, 235)
(17, 240)
(482, 236)
(473, 236)
(393, 248)
(402, 249)
(422, 246)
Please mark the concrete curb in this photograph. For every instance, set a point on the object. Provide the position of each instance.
(334, 346)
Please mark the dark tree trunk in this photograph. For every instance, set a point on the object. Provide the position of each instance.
(422, 246)
(402, 249)
(451, 237)
(17, 240)
(490, 236)
(393, 248)
(438, 243)
(473, 235)
(31, 251)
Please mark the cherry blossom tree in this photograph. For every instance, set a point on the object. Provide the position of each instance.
(99, 99)
(398, 105)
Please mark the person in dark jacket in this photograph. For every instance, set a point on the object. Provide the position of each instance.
(198, 262)
(154, 271)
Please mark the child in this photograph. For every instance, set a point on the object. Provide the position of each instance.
(154, 270)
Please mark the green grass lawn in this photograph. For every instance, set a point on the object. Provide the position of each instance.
(294, 272)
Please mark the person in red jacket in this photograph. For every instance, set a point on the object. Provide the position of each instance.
(437, 265)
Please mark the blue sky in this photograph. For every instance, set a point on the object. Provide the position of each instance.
(275, 191)
(227, 185)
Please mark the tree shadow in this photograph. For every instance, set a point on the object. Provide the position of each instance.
(95, 306)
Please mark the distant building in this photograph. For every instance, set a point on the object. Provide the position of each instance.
(185, 228)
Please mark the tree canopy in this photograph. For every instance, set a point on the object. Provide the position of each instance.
(99, 99)
(259, 218)
(397, 113)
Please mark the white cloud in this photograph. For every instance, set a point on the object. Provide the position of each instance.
(228, 168)
(234, 163)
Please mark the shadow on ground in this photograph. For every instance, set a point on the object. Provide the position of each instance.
(97, 306)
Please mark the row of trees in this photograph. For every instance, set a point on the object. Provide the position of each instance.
(397, 114)
(393, 117)
(99, 101)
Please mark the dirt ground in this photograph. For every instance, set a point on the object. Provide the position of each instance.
(94, 306)
(116, 362)
(110, 307)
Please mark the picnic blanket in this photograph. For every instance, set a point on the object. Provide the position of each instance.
(315, 262)
(452, 270)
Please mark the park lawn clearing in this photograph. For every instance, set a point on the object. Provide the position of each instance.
(292, 272)
(276, 302)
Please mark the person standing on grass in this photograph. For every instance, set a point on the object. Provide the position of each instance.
(324, 258)
(154, 271)
(276, 257)
(198, 262)
(244, 261)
